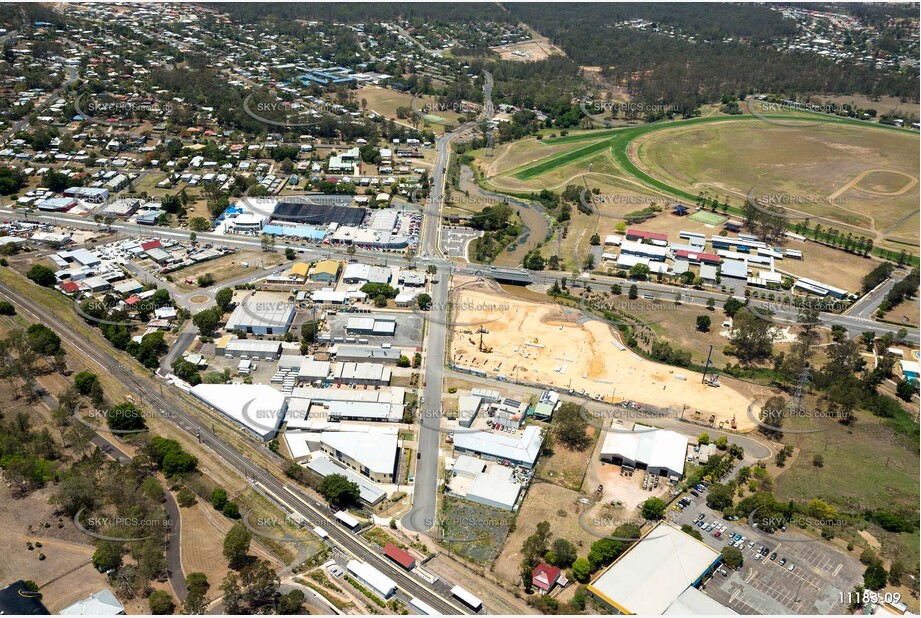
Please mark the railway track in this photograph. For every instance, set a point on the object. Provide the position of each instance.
(174, 408)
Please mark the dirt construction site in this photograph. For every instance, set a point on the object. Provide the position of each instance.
(546, 344)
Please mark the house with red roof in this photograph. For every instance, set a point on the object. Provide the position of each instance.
(697, 257)
(401, 557)
(69, 287)
(642, 235)
(544, 577)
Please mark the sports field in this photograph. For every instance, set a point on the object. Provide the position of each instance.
(854, 176)
(708, 218)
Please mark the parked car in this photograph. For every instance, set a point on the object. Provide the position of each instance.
(783, 561)
(774, 555)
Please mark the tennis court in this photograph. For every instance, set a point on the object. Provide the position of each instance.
(708, 218)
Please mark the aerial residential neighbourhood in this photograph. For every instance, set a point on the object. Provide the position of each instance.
(460, 308)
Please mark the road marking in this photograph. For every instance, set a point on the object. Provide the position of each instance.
(838, 569)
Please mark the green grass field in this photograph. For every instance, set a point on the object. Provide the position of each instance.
(708, 218)
(871, 465)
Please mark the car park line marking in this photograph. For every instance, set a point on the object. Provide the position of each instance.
(751, 575)
(838, 568)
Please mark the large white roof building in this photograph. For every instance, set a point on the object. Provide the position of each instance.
(660, 451)
(655, 572)
(521, 450)
(258, 408)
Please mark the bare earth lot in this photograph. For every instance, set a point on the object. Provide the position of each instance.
(546, 344)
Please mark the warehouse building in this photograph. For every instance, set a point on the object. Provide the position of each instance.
(495, 488)
(319, 210)
(368, 492)
(325, 271)
(653, 574)
(380, 327)
(357, 272)
(311, 370)
(372, 374)
(372, 454)
(361, 354)
(262, 317)
(521, 450)
(374, 411)
(250, 348)
(257, 408)
(658, 451)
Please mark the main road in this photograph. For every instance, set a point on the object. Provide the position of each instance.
(854, 324)
(421, 517)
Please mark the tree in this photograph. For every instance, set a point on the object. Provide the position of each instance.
(570, 427)
(289, 253)
(732, 557)
(231, 510)
(42, 275)
(7, 308)
(703, 439)
(236, 545)
(231, 594)
(818, 460)
(564, 553)
(875, 577)
(536, 545)
(692, 531)
(752, 336)
(84, 381)
(732, 306)
(403, 361)
(653, 508)
(719, 496)
(424, 301)
(205, 280)
(338, 490)
(108, 555)
(224, 298)
(604, 552)
(218, 498)
(199, 224)
(259, 586)
(710, 304)
(197, 583)
(42, 340)
(581, 570)
(906, 389)
(161, 603)
(196, 603)
(633, 292)
(207, 320)
(185, 497)
(703, 323)
(125, 417)
(291, 603)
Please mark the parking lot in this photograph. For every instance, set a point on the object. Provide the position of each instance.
(454, 241)
(820, 575)
(408, 332)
